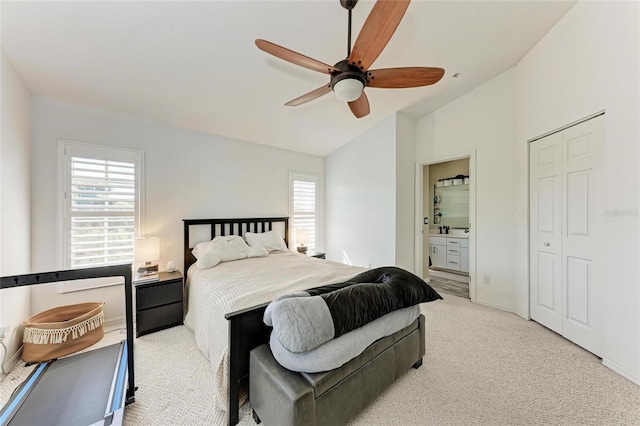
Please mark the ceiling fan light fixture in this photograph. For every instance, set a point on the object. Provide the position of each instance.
(348, 89)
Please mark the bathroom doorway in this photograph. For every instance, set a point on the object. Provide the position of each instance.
(446, 252)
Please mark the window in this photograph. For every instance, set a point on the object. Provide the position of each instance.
(101, 204)
(303, 206)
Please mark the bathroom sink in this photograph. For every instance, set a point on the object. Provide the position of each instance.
(452, 232)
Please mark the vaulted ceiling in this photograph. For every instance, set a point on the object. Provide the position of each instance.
(195, 64)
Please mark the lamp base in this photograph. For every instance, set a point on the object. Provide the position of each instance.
(302, 249)
(147, 269)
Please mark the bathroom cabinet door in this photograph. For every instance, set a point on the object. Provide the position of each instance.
(438, 255)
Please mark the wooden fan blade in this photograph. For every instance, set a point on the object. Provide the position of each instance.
(360, 107)
(377, 31)
(397, 78)
(295, 57)
(310, 96)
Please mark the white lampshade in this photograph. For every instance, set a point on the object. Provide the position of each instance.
(146, 250)
(348, 90)
(302, 236)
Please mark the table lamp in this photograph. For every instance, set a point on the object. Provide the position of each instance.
(145, 252)
(302, 238)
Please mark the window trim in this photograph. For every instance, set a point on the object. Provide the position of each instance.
(306, 177)
(63, 259)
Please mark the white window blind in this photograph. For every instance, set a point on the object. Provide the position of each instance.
(101, 205)
(303, 206)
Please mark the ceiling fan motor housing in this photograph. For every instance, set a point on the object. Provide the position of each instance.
(347, 84)
(348, 71)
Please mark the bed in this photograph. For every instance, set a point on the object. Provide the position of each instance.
(226, 303)
(328, 314)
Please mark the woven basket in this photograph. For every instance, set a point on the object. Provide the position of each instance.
(62, 331)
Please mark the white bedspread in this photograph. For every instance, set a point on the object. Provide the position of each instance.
(232, 286)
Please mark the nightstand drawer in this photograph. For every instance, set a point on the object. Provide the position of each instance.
(158, 294)
(158, 318)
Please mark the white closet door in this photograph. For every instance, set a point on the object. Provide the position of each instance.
(545, 231)
(564, 191)
(581, 145)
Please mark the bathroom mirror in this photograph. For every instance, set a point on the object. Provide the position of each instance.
(450, 206)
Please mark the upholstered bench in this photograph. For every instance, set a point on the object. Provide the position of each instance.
(283, 397)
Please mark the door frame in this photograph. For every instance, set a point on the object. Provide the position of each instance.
(420, 214)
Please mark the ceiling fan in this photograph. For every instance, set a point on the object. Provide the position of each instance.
(350, 76)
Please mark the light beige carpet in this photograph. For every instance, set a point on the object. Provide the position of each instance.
(482, 367)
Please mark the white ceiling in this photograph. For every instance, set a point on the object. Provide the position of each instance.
(195, 64)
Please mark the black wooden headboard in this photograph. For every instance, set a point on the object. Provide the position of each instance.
(229, 227)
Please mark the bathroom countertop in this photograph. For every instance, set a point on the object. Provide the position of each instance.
(461, 235)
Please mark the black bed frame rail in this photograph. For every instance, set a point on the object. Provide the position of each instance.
(246, 329)
(78, 274)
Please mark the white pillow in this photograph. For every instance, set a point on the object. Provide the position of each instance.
(207, 260)
(200, 249)
(227, 248)
(257, 252)
(271, 240)
(224, 249)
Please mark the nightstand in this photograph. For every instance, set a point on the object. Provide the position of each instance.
(318, 254)
(159, 303)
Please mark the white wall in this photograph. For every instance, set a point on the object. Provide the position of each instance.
(15, 206)
(483, 121)
(361, 198)
(405, 192)
(587, 63)
(370, 197)
(188, 175)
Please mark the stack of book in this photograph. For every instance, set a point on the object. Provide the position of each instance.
(145, 278)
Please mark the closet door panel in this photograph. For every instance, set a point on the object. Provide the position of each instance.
(545, 232)
(547, 284)
(578, 208)
(581, 148)
(579, 285)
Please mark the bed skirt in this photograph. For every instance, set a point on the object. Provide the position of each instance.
(62, 331)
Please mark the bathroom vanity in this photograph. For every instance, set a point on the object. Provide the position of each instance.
(449, 252)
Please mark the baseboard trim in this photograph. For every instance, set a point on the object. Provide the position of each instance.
(114, 322)
(624, 372)
(14, 360)
(495, 305)
(524, 316)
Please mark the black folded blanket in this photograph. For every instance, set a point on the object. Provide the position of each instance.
(303, 321)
